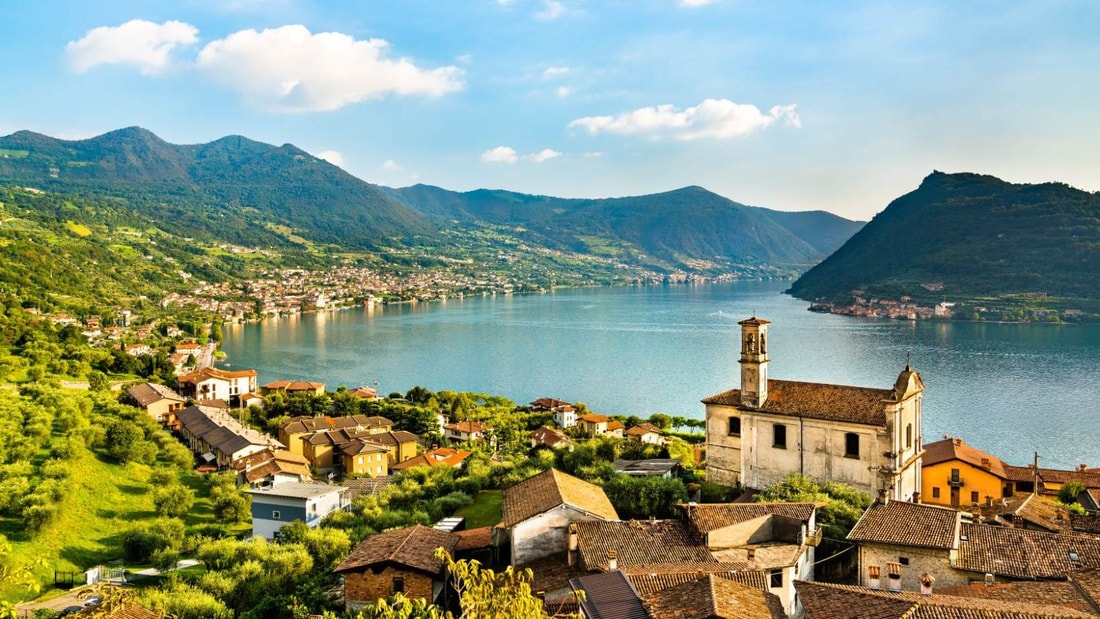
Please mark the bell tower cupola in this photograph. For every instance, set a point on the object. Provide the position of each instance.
(754, 362)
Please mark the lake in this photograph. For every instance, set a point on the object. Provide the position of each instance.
(1009, 389)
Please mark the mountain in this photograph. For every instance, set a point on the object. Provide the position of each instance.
(232, 188)
(969, 236)
(681, 228)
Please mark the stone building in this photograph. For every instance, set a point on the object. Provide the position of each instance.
(767, 429)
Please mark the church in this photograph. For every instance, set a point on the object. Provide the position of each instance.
(865, 437)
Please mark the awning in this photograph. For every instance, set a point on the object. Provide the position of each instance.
(208, 456)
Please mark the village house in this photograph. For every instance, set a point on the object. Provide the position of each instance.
(292, 387)
(399, 561)
(217, 437)
(361, 456)
(441, 456)
(701, 596)
(646, 433)
(465, 431)
(159, 401)
(294, 430)
(779, 538)
(592, 424)
(767, 429)
(898, 542)
(956, 474)
(550, 437)
(139, 350)
(325, 449)
(565, 414)
(537, 513)
(215, 384)
(651, 467)
(270, 467)
(278, 505)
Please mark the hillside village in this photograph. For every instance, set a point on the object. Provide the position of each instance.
(945, 530)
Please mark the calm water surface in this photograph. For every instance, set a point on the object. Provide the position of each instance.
(1007, 389)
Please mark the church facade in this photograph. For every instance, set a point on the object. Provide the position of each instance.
(865, 437)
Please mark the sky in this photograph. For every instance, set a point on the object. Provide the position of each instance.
(794, 106)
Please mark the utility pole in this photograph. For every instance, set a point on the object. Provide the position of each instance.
(1035, 486)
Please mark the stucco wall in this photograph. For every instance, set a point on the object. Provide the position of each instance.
(936, 562)
(974, 480)
(723, 450)
(544, 534)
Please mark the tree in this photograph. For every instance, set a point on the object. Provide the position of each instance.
(98, 381)
(1070, 491)
(173, 500)
(644, 497)
(661, 420)
(485, 594)
(843, 504)
(12, 577)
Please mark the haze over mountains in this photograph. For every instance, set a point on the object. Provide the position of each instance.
(243, 191)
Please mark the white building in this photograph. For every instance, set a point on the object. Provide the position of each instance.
(864, 437)
(278, 505)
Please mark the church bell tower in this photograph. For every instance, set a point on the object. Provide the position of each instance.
(754, 362)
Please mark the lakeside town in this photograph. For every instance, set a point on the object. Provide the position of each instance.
(797, 499)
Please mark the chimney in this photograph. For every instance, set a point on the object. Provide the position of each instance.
(926, 582)
(882, 496)
(985, 463)
(893, 577)
(957, 441)
(916, 497)
(574, 543)
(612, 561)
(700, 575)
(874, 577)
(752, 558)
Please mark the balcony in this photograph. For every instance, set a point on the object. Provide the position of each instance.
(955, 482)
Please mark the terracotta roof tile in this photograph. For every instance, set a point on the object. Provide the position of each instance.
(609, 596)
(829, 601)
(862, 405)
(1028, 509)
(638, 542)
(713, 597)
(955, 449)
(412, 547)
(707, 517)
(907, 524)
(549, 489)
(149, 393)
(1054, 592)
(473, 539)
(651, 577)
(1023, 553)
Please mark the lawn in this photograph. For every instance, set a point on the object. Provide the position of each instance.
(485, 510)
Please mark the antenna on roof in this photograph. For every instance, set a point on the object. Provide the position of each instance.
(907, 367)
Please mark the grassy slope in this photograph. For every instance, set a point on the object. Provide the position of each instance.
(484, 512)
(107, 500)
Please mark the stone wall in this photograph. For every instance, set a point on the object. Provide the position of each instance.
(366, 587)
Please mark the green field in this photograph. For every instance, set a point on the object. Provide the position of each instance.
(484, 512)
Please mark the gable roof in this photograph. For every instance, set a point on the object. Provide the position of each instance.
(707, 517)
(829, 601)
(1030, 509)
(549, 436)
(442, 456)
(638, 542)
(207, 373)
(609, 596)
(549, 489)
(1024, 553)
(151, 393)
(652, 577)
(413, 547)
(593, 418)
(647, 467)
(907, 524)
(468, 427)
(643, 429)
(955, 449)
(713, 597)
(860, 405)
(293, 386)
(1055, 592)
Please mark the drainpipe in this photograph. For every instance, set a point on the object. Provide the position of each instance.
(801, 450)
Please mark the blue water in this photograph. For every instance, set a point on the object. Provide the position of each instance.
(1010, 390)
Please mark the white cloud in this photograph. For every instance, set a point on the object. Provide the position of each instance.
(139, 43)
(500, 154)
(693, 4)
(713, 118)
(563, 91)
(332, 156)
(552, 9)
(552, 72)
(291, 69)
(545, 154)
(592, 154)
(391, 166)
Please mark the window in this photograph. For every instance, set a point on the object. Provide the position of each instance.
(398, 584)
(974, 497)
(360, 459)
(935, 492)
(776, 579)
(903, 560)
(275, 515)
(908, 436)
(779, 436)
(851, 445)
(735, 426)
(954, 476)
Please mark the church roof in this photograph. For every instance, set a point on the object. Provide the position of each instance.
(862, 405)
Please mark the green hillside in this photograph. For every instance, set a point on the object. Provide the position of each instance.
(977, 236)
(225, 189)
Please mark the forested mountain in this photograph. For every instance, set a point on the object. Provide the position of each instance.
(967, 236)
(679, 227)
(233, 189)
(244, 192)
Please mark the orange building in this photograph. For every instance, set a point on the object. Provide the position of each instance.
(956, 474)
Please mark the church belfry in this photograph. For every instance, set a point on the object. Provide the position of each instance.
(754, 362)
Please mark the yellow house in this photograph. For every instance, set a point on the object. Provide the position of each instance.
(956, 474)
